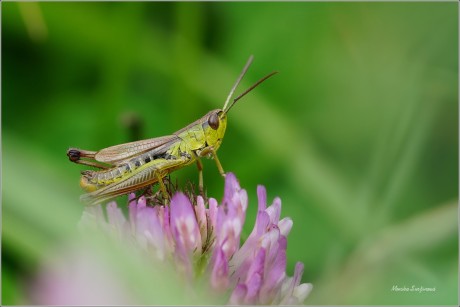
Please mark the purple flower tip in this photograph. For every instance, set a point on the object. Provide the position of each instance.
(184, 225)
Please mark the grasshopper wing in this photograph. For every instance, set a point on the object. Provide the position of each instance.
(123, 151)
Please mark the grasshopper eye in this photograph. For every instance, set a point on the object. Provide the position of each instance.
(213, 121)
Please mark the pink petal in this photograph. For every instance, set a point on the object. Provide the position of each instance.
(117, 220)
(274, 274)
(219, 272)
(285, 226)
(238, 295)
(243, 257)
(212, 214)
(262, 197)
(291, 284)
(132, 207)
(200, 212)
(79, 277)
(274, 211)
(255, 277)
(149, 232)
(92, 218)
(301, 292)
(183, 224)
(185, 233)
(231, 186)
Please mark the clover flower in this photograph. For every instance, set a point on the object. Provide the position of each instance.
(203, 242)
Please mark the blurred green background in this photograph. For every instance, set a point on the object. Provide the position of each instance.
(358, 133)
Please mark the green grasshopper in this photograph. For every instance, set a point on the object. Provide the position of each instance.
(129, 167)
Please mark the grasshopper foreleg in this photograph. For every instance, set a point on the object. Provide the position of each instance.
(219, 166)
(210, 152)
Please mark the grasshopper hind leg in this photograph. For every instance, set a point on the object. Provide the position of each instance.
(79, 156)
(76, 154)
(151, 173)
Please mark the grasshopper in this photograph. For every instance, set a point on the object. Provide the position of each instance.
(129, 167)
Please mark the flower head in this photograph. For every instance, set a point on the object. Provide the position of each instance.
(203, 241)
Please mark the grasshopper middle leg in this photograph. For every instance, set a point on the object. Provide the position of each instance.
(199, 164)
(162, 186)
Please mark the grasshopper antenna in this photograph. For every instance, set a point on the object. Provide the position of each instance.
(249, 89)
(245, 69)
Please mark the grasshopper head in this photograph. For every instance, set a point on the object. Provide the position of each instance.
(214, 127)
